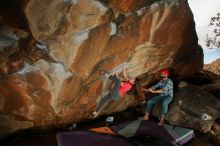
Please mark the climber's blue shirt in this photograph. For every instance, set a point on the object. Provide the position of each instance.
(166, 86)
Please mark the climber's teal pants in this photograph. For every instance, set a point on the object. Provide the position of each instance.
(165, 102)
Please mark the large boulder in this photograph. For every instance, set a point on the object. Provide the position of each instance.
(50, 63)
(194, 108)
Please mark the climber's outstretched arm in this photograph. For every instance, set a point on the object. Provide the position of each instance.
(125, 73)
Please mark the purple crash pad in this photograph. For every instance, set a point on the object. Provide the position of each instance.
(147, 128)
(169, 133)
(85, 138)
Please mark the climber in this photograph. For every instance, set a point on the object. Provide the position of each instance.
(118, 89)
(165, 89)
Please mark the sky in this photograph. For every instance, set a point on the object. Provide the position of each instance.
(203, 10)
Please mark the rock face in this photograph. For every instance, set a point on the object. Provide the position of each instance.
(214, 86)
(52, 51)
(213, 67)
